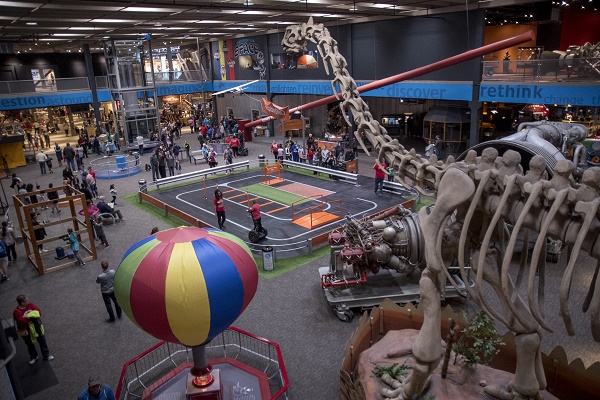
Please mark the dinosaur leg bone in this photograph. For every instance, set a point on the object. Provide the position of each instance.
(589, 209)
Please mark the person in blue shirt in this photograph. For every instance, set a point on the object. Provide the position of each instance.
(295, 154)
(74, 244)
(96, 390)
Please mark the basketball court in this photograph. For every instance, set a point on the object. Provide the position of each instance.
(295, 207)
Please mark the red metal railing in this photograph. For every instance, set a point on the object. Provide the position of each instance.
(156, 363)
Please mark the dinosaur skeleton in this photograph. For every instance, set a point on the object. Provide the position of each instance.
(478, 199)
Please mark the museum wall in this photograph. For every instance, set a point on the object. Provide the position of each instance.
(386, 48)
(373, 50)
(579, 27)
(18, 66)
(341, 34)
(501, 32)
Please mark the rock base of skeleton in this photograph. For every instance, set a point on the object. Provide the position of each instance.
(464, 383)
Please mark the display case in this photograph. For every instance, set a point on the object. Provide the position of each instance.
(451, 124)
(394, 124)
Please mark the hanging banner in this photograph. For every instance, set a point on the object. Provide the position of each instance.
(273, 110)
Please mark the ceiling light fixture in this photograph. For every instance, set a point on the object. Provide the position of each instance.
(30, 23)
(157, 24)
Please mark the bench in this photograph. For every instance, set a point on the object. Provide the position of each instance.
(201, 173)
(197, 155)
(343, 175)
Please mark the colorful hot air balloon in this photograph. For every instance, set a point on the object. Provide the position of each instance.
(186, 285)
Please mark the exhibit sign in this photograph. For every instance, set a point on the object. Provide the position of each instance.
(223, 86)
(51, 100)
(407, 90)
(575, 95)
(275, 111)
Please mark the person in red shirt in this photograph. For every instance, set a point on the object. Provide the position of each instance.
(235, 145)
(219, 203)
(256, 216)
(274, 149)
(92, 172)
(30, 328)
(379, 176)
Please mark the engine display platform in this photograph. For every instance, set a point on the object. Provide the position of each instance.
(386, 284)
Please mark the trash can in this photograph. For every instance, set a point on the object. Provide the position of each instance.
(121, 162)
(262, 160)
(268, 256)
(143, 186)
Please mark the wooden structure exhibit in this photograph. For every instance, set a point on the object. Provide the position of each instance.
(295, 126)
(81, 228)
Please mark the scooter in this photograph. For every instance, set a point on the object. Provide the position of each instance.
(256, 234)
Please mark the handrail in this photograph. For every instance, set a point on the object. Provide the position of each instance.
(13, 353)
(314, 196)
(279, 357)
(239, 340)
(203, 172)
(341, 174)
(40, 86)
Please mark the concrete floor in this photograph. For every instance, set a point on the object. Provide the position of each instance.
(84, 344)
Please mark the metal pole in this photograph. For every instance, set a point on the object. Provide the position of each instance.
(448, 62)
(303, 131)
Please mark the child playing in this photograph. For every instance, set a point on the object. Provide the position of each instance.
(113, 192)
(41, 197)
(99, 228)
(53, 195)
(74, 244)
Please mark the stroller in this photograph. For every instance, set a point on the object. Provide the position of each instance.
(243, 150)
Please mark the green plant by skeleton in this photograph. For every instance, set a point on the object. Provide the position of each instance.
(478, 342)
(429, 397)
(395, 370)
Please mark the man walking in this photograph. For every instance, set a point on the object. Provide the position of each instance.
(379, 176)
(96, 390)
(107, 285)
(154, 165)
(140, 142)
(41, 159)
(69, 156)
(27, 316)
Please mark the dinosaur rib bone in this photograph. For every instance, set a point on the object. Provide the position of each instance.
(486, 175)
(589, 209)
(540, 245)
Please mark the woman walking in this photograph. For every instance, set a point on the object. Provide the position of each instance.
(7, 234)
(220, 209)
(59, 155)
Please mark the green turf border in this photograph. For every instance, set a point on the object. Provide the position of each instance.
(424, 202)
(154, 211)
(289, 264)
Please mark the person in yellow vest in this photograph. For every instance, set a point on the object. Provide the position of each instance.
(29, 326)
